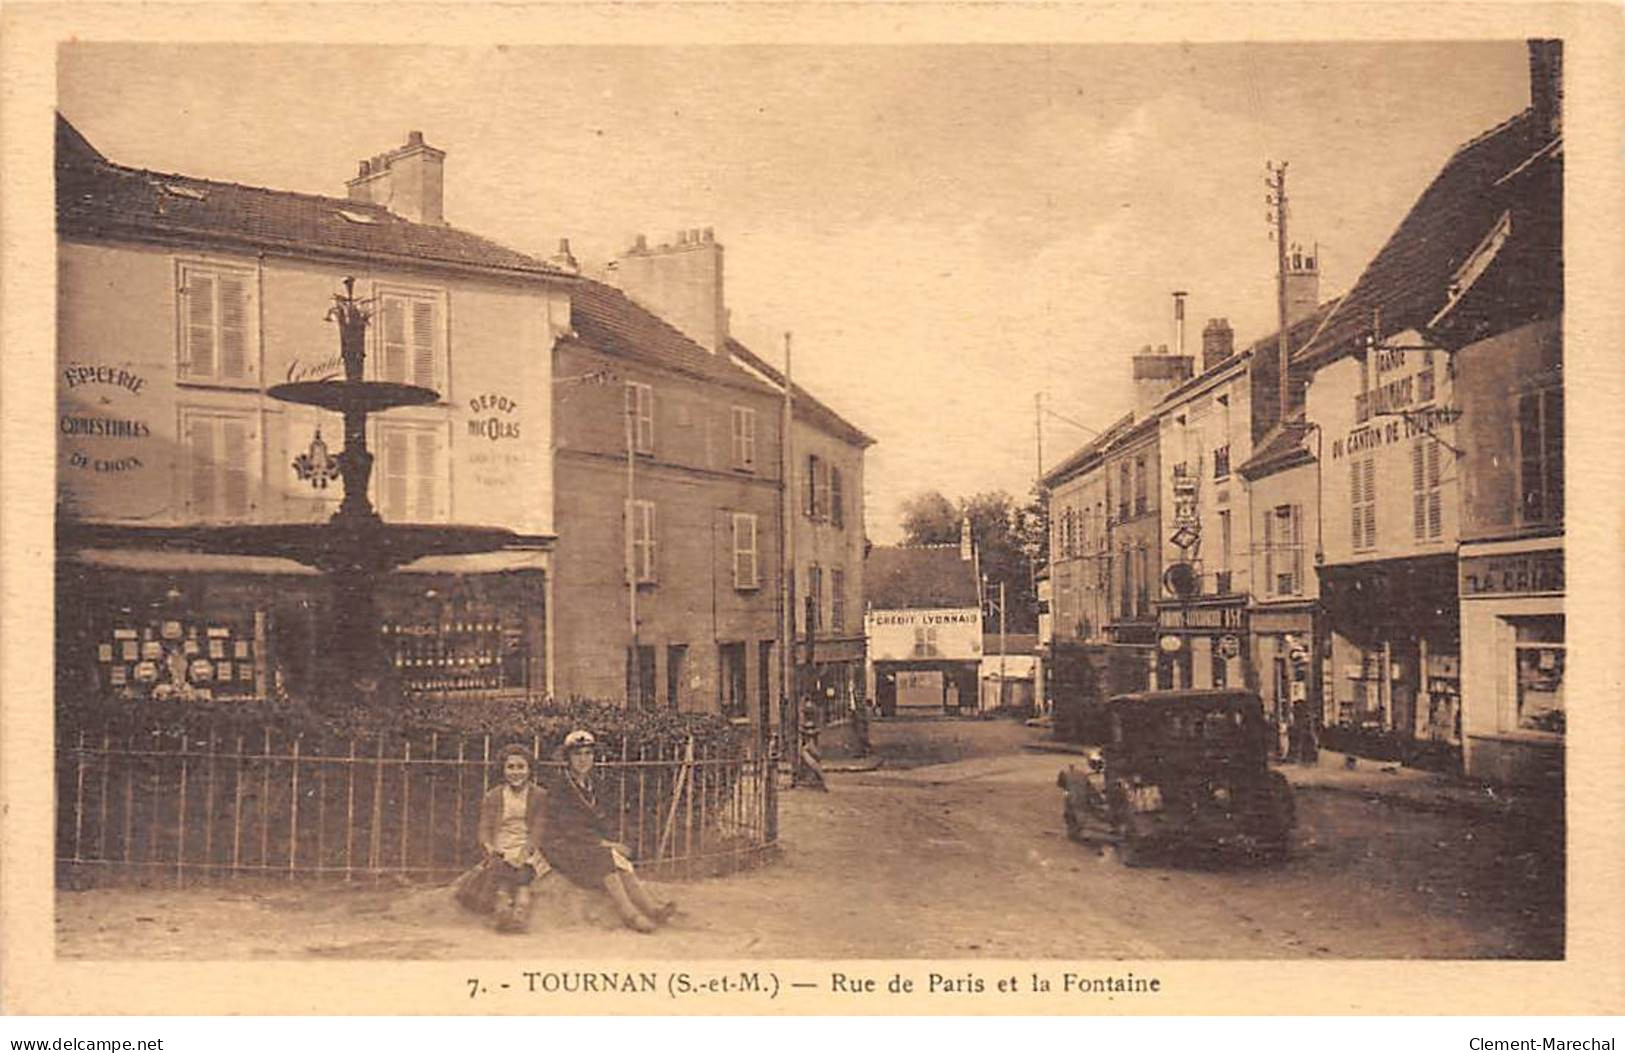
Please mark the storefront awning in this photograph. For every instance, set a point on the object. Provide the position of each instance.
(168, 561)
(508, 559)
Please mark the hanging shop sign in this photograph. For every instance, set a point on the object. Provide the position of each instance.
(1229, 646)
(1520, 573)
(1170, 643)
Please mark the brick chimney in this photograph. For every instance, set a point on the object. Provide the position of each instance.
(1302, 284)
(1155, 374)
(408, 180)
(680, 282)
(1546, 87)
(1218, 342)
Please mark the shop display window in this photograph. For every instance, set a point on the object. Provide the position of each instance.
(158, 658)
(1539, 660)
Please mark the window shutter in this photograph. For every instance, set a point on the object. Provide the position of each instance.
(200, 439)
(234, 327)
(234, 467)
(812, 485)
(1435, 524)
(1269, 551)
(1297, 549)
(836, 514)
(392, 367)
(423, 341)
(423, 510)
(1370, 502)
(649, 541)
(1356, 488)
(1554, 453)
(396, 470)
(1418, 490)
(199, 293)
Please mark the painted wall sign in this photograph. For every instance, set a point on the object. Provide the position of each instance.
(1201, 618)
(99, 418)
(953, 617)
(1511, 575)
(493, 417)
(330, 368)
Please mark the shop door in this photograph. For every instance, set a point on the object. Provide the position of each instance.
(920, 689)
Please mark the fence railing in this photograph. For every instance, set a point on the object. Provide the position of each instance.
(184, 804)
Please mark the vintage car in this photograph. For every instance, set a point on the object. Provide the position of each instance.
(1181, 771)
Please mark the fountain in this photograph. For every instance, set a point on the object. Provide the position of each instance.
(355, 546)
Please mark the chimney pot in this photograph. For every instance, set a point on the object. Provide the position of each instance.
(414, 138)
(640, 244)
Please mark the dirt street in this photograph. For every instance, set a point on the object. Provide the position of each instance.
(961, 859)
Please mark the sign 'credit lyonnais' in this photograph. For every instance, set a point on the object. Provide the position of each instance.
(957, 617)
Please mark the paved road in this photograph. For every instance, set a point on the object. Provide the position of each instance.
(964, 859)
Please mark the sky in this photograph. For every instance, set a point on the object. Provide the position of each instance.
(947, 230)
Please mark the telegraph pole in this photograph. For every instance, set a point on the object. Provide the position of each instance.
(787, 577)
(1038, 433)
(634, 689)
(1277, 200)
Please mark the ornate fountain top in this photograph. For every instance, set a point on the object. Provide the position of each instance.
(352, 320)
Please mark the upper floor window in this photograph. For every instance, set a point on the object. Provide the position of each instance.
(1540, 456)
(1363, 503)
(640, 415)
(837, 506)
(410, 341)
(837, 600)
(640, 546)
(1123, 491)
(1283, 550)
(820, 484)
(1221, 462)
(1139, 486)
(746, 573)
(1425, 494)
(815, 598)
(411, 472)
(218, 324)
(744, 438)
(221, 449)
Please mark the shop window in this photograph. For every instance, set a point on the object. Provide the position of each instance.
(1426, 520)
(640, 415)
(410, 342)
(1363, 503)
(411, 477)
(218, 324)
(221, 450)
(746, 574)
(640, 519)
(837, 600)
(744, 438)
(1539, 661)
(1540, 456)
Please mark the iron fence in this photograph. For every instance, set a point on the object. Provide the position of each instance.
(190, 803)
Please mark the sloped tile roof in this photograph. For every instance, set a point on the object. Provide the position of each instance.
(808, 408)
(1090, 451)
(606, 319)
(1408, 280)
(1283, 447)
(98, 197)
(918, 577)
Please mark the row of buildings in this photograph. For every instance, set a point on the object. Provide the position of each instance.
(638, 452)
(1378, 533)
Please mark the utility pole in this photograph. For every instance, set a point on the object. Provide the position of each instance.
(1038, 433)
(1277, 200)
(1002, 698)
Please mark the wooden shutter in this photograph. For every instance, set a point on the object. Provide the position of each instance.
(1298, 583)
(234, 467)
(1370, 502)
(1419, 491)
(423, 343)
(1269, 551)
(744, 551)
(425, 476)
(396, 473)
(1434, 512)
(199, 296)
(392, 364)
(836, 513)
(201, 451)
(234, 327)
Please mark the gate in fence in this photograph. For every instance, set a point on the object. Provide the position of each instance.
(184, 804)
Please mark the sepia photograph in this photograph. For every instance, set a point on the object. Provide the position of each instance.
(1098, 505)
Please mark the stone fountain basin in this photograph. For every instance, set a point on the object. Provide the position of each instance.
(348, 396)
(364, 546)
